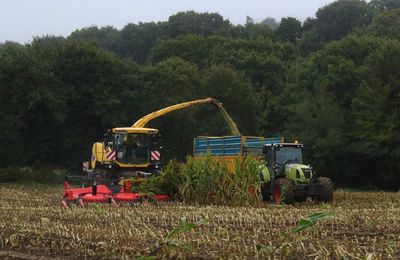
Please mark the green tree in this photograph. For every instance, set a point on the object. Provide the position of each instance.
(239, 98)
(318, 121)
(270, 22)
(191, 22)
(384, 4)
(32, 105)
(167, 83)
(343, 77)
(263, 62)
(107, 37)
(376, 113)
(387, 24)
(95, 83)
(253, 30)
(333, 22)
(173, 79)
(194, 48)
(261, 59)
(289, 29)
(138, 39)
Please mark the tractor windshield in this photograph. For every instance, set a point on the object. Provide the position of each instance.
(287, 154)
(131, 148)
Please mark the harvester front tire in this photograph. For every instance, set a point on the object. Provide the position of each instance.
(327, 195)
(282, 191)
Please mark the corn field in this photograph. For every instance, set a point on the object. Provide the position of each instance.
(366, 225)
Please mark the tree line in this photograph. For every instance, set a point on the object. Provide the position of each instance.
(331, 82)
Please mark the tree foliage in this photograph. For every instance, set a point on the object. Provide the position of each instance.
(381, 5)
(289, 29)
(334, 21)
(386, 24)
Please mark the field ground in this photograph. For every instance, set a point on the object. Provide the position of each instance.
(32, 225)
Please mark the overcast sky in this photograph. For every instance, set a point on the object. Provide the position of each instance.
(22, 19)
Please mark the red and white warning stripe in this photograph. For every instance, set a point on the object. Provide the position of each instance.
(155, 155)
(111, 154)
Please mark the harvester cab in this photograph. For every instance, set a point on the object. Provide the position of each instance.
(131, 152)
(287, 179)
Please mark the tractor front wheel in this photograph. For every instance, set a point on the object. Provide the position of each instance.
(327, 195)
(282, 191)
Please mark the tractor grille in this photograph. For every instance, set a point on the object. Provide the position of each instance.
(306, 172)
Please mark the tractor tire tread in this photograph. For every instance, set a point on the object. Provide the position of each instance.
(327, 195)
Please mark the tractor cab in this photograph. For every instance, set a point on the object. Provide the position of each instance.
(286, 160)
(286, 178)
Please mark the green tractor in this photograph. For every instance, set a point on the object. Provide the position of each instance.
(286, 179)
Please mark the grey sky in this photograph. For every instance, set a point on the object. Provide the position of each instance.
(22, 19)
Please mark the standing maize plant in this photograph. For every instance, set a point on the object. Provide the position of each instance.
(246, 181)
(206, 180)
(203, 181)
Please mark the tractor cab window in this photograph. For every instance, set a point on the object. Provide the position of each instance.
(131, 148)
(286, 154)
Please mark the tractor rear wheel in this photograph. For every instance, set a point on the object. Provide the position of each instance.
(282, 191)
(327, 195)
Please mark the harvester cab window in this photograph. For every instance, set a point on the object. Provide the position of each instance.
(132, 148)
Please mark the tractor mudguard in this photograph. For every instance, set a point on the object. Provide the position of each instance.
(265, 175)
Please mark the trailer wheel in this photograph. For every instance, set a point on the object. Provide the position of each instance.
(327, 195)
(283, 191)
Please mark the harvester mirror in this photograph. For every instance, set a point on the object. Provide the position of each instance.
(107, 138)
